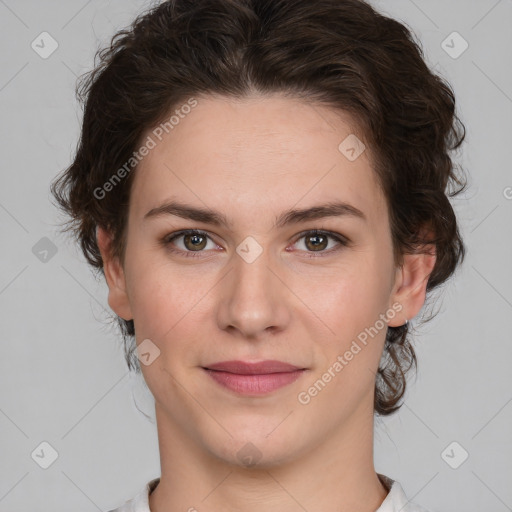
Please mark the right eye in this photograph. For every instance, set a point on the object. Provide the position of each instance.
(194, 241)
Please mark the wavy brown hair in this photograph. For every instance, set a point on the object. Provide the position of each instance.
(339, 53)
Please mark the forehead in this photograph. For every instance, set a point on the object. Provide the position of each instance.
(260, 154)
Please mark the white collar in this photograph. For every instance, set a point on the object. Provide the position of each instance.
(395, 501)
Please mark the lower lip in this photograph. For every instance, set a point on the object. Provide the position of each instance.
(254, 384)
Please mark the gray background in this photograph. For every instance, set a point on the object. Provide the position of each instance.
(63, 376)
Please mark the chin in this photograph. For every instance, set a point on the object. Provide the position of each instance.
(256, 450)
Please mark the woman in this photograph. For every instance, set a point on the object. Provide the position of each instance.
(263, 185)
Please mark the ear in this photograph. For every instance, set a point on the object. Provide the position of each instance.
(114, 275)
(411, 283)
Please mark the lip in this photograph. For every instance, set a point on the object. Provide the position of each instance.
(253, 378)
(249, 368)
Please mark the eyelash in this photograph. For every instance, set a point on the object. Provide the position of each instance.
(168, 239)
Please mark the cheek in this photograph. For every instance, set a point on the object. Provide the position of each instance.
(354, 297)
(169, 304)
(351, 306)
(157, 297)
(165, 306)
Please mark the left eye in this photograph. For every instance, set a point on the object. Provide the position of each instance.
(192, 238)
(195, 241)
(317, 241)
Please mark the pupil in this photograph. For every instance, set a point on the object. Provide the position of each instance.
(317, 244)
(196, 241)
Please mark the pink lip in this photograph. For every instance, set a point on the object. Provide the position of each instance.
(247, 368)
(253, 378)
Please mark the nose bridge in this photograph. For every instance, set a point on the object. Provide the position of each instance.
(251, 273)
(254, 300)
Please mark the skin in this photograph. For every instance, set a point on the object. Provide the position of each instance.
(251, 160)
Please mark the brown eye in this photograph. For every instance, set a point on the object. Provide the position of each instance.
(316, 242)
(194, 241)
(190, 243)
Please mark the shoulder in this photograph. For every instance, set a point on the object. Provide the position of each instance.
(396, 500)
(140, 502)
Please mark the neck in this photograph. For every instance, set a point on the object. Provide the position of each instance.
(337, 474)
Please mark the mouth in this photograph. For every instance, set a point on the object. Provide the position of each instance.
(253, 378)
(250, 368)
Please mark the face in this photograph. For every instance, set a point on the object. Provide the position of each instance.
(256, 284)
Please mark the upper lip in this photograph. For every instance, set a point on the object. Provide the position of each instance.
(249, 368)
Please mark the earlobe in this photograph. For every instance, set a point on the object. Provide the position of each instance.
(114, 276)
(411, 284)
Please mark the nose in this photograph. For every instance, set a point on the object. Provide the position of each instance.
(254, 298)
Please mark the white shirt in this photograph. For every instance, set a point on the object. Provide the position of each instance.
(395, 501)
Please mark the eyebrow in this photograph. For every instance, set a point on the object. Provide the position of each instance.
(293, 216)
